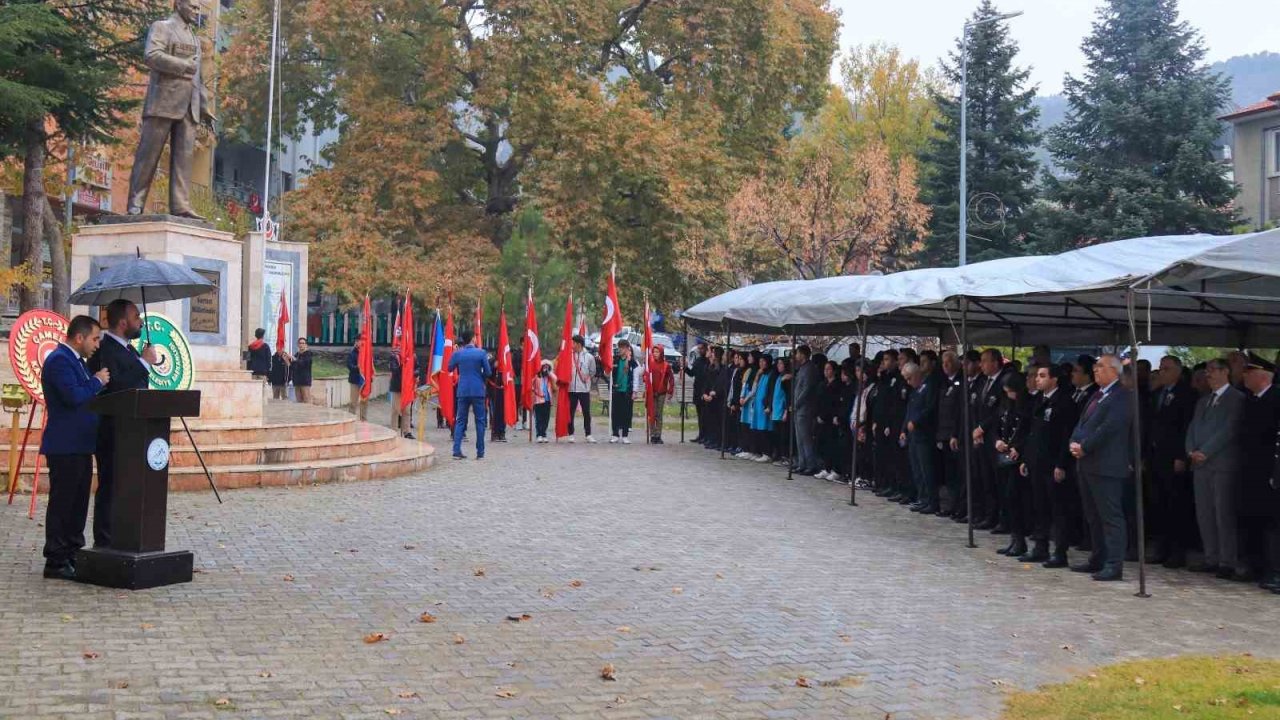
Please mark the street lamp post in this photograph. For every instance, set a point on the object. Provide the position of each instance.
(964, 127)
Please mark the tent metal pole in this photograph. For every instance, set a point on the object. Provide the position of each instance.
(684, 374)
(854, 427)
(791, 436)
(966, 443)
(724, 402)
(1136, 409)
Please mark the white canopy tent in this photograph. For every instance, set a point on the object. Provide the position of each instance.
(1197, 289)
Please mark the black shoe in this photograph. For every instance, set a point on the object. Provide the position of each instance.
(1175, 560)
(409, 436)
(1109, 573)
(963, 519)
(905, 500)
(1225, 573)
(1084, 546)
(893, 496)
(1087, 567)
(983, 525)
(1202, 567)
(942, 513)
(65, 571)
(1005, 550)
(479, 457)
(459, 456)
(1039, 554)
(1018, 548)
(1000, 529)
(930, 509)
(1057, 560)
(1131, 555)
(1244, 576)
(915, 507)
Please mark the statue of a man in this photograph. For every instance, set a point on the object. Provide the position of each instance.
(176, 104)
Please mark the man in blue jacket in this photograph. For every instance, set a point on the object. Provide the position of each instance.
(1101, 445)
(69, 441)
(472, 364)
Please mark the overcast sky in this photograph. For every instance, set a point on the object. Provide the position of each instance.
(1049, 34)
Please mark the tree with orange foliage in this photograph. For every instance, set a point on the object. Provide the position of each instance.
(623, 122)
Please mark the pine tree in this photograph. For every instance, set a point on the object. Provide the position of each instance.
(1136, 148)
(1002, 139)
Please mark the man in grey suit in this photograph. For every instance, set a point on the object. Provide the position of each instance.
(805, 400)
(176, 103)
(1212, 446)
(1102, 446)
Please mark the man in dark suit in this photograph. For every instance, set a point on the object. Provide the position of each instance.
(130, 370)
(68, 443)
(1102, 446)
(1053, 417)
(947, 438)
(919, 432)
(985, 433)
(1083, 389)
(1173, 517)
(886, 413)
(472, 365)
(1259, 425)
(1213, 446)
(701, 379)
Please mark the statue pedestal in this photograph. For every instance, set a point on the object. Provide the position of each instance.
(213, 323)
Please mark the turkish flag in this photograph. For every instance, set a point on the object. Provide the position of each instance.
(447, 379)
(364, 356)
(564, 371)
(282, 321)
(507, 369)
(612, 323)
(408, 376)
(532, 352)
(479, 325)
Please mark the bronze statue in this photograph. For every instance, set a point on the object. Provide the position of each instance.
(177, 103)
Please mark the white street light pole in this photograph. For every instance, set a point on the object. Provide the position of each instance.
(964, 127)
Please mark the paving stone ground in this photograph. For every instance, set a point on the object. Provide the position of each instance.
(709, 585)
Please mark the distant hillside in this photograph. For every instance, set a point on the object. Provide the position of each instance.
(1253, 77)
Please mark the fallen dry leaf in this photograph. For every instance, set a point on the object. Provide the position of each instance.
(619, 700)
(524, 617)
(392, 711)
(265, 674)
(997, 683)
(376, 637)
(222, 702)
(478, 572)
(575, 583)
(120, 684)
(90, 655)
(624, 628)
(677, 591)
(548, 593)
(803, 682)
(146, 626)
(719, 576)
(67, 618)
(458, 639)
(505, 693)
(608, 673)
(410, 547)
(1177, 708)
(845, 638)
(844, 682)
(1139, 681)
(288, 578)
(426, 617)
(407, 694)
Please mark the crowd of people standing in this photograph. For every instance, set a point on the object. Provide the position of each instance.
(1050, 450)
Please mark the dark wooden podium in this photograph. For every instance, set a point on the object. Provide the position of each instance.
(137, 558)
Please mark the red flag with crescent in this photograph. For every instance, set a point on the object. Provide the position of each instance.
(564, 371)
(612, 323)
(532, 352)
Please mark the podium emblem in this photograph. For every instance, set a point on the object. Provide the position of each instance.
(158, 454)
(35, 334)
(174, 371)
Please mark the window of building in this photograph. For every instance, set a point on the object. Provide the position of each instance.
(1273, 151)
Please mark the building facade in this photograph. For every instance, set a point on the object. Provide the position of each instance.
(1255, 157)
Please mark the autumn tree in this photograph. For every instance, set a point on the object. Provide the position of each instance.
(621, 121)
(889, 97)
(837, 202)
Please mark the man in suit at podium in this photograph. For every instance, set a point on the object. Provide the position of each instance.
(68, 443)
(129, 370)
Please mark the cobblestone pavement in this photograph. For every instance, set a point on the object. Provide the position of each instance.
(710, 586)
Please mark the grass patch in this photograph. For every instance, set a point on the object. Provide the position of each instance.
(1205, 688)
(323, 367)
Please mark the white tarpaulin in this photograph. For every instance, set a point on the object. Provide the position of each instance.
(1078, 296)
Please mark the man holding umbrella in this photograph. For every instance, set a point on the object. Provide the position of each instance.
(129, 370)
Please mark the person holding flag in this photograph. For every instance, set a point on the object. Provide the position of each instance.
(473, 368)
(437, 362)
(565, 374)
(403, 385)
(659, 381)
(532, 358)
(609, 329)
(445, 378)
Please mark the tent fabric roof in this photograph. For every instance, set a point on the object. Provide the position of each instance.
(1079, 296)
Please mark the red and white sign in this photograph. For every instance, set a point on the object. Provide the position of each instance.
(35, 334)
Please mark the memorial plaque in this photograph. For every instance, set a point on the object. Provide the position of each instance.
(205, 309)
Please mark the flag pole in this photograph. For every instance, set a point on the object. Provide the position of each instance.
(684, 374)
